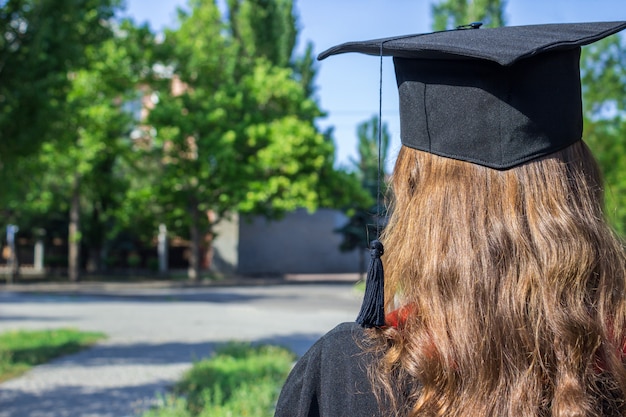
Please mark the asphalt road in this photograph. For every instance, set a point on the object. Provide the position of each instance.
(154, 334)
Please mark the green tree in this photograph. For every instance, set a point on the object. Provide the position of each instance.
(47, 51)
(235, 124)
(449, 14)
(42, 41)
(364, 221)
(80, 170)
(370, 164)
(603, 72)
(264, 28)
(268, 28)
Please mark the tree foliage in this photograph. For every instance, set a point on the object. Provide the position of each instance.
(77, 172)
(372, 155)
(42, 42)
(449, 14)
(235, 124)
(603, 72)
(231, 124)
(63, 78)
(364, 221)
(264, 28)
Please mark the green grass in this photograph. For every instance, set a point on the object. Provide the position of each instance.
(239, 380)
(20, 350)
(359, 287)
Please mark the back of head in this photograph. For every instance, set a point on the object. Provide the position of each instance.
(515, 283)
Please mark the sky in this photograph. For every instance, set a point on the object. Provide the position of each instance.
(348, 84)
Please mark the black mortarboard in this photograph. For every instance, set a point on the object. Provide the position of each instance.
(494, 97)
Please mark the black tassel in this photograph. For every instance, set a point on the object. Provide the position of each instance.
(372, 312)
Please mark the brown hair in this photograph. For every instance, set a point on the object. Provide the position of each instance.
(514, 284)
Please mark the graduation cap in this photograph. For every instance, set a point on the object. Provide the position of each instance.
(496, 97)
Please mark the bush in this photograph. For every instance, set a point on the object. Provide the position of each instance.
(21, 349)
(240, 380)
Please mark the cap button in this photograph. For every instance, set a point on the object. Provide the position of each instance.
(473, 25)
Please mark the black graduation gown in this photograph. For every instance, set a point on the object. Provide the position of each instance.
(330, 380)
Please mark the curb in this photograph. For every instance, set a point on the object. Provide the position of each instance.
(138, 288)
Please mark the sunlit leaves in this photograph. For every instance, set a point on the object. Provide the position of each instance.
(448, 14)
(42, 41)
(603, 72)
(287, 168)
(239, 134)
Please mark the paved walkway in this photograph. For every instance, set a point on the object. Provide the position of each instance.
(154, 331)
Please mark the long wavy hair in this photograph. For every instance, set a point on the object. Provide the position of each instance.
(511, 285)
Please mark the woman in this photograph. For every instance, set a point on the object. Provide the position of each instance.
(504, 285)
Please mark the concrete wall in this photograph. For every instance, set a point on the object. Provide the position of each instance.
(226, 246)
(300, 243)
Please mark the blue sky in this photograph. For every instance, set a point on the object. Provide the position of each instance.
(348, 84)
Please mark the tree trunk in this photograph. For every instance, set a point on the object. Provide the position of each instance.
(73, 261)
(194, 233)
(207, 256)
(163, 250)
(14, 265)
(94, 241)
(207, 260)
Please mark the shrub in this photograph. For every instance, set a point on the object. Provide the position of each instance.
(22, 349)
(239, 380)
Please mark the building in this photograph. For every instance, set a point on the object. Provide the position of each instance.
(299, 243)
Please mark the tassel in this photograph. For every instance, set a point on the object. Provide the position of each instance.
(372, 312)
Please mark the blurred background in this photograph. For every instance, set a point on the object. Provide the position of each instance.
(201, 140)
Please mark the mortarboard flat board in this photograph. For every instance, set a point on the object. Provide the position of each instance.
(496, 97)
